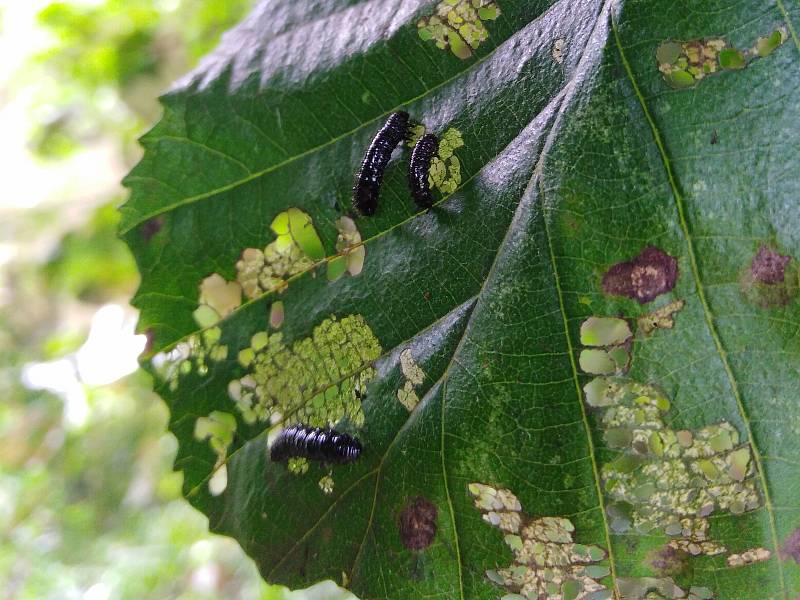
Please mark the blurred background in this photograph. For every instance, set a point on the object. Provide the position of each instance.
(89, 506)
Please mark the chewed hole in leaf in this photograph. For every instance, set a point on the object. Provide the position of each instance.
(219, 480)
(684, 64)
(659, 588)
(217, 299)
(414, 377)
(614, 336)
(666, 479)
(661, 318)
(767, 44)
(218, 428)
(276, 314)
(547, 562)
(458, 25)
(748, 557)
(351, 249)
(605, 331)
(297, 466)
(302, 232)
(296, 248)
(415, 133)
(193, 356)
(597, 361)
(326, 485)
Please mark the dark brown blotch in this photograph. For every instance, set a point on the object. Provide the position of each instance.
(644, 277)
(771, 279)
(768, 266)
(151, 227)
(791, 546)
(418, 524)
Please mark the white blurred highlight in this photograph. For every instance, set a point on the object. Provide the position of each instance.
(111, 349)
(109, 354)
(99, 591)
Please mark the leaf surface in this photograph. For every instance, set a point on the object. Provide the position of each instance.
(599, 177)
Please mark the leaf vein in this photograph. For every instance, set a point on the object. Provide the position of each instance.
(709, 317)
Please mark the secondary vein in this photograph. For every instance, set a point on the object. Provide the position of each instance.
(711, 325)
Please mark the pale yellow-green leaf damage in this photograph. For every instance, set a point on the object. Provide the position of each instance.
(548, 564)
(318, 380)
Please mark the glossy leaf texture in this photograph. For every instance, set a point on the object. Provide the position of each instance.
(634, 161)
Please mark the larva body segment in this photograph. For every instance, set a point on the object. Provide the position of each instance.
(314, 443)
(370, 176)
(419, 167)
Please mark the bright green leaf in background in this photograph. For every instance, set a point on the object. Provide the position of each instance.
(574, 377)
(107, 60)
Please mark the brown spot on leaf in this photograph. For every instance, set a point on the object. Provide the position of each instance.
(151, 227)
(418, 524)
(644, 277)
(771, 279)
(791, 546)
(668, 561)
(768, 266)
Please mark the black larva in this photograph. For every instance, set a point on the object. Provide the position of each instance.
(314, 443)
(368, 180)
(419, 167)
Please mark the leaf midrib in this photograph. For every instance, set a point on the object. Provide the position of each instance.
(563, 97)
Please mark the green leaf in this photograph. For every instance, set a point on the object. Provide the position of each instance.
(586, 189)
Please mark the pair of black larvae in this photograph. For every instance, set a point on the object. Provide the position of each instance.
(369, 178)
(314, 443)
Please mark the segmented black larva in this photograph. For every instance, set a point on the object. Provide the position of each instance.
(419, 167)
(314, 443)
(368, 180)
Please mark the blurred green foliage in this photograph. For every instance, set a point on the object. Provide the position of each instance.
(90, 264)
(99, 505)
(119, 51)
(112, 43)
